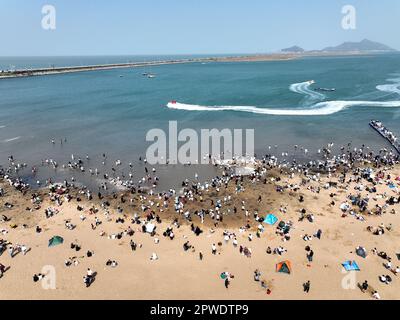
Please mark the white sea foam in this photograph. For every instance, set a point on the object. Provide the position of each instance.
(1, 127)
(12, 139)
(390, 88)
(319, 109)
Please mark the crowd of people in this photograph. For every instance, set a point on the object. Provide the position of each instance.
(198, 202)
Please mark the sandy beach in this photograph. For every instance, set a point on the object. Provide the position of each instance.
(180, 274)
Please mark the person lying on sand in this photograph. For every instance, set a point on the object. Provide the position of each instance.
(38, 277)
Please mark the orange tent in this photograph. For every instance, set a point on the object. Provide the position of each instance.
(284, 266)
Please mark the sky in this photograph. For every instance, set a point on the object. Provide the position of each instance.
(119, 27)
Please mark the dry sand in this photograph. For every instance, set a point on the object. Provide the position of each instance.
(181, 275)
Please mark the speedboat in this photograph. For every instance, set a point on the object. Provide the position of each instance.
(325, 89)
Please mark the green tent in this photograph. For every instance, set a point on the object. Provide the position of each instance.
(56, 240)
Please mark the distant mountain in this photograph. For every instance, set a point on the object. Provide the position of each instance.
(293, 49)
(364, 45)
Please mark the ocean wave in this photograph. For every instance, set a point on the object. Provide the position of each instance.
(1, 127)
(319, 109)
(12, 139)
(304, 89)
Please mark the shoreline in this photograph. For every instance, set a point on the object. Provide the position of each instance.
(241, 58)
(228, 208)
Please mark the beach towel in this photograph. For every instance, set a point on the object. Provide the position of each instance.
(350, 266)
(270, 219)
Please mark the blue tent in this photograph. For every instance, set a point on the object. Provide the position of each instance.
(350, 265)
(270, 219)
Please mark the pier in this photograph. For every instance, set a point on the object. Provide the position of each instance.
(388, 135)
(30, 72)
(61, 70)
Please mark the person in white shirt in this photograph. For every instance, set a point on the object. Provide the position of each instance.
(213, 249)
(376, 295)
(235, 242)
(154, 256)
(397, 270)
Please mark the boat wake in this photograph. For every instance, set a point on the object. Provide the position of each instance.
(12, 139)
(321, 108)
(304, 89)
(390, 88)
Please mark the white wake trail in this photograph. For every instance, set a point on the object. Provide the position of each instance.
(319, 109)
(304, 89)
(12, 139)
(390, 88)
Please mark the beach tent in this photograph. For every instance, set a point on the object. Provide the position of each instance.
(398, 256)
(350, 265)
(284, 267)
(56, 240)
(360, 251)
(270, 219)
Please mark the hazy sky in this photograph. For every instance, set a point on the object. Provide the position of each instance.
(100, 27)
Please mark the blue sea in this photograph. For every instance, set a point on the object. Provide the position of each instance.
(111, 111)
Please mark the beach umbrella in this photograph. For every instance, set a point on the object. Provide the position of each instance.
(150, 227)
(56, 240)
(360, 251)
(282, 224)
(270, 219)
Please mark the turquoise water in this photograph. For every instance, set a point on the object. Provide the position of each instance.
(102, 112)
